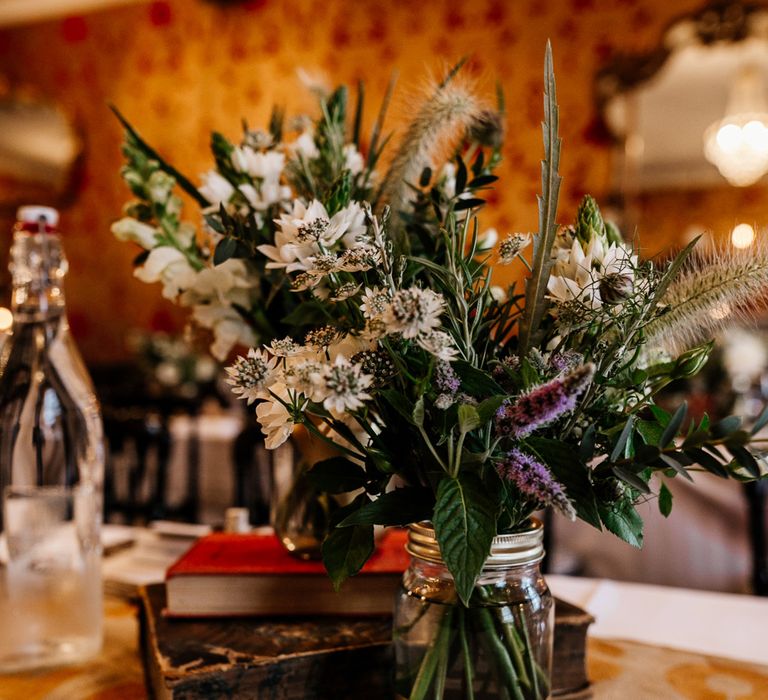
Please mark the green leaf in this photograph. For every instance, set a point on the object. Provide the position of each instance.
(745, 458)
(399, 507)
(725, 426)
(345, 550)
(673, 427)
(536, 285)
(650, 432)
(661, 416)
(665, 501)
(572, 473)
(465, 524)
(622, 520)
(395, 399)
(337, 475)
(672, 463)
(587, 446)
(487, 409)
(708, 461)
(225, 249)
(461, 176)
(308, 313)
(621, 443)
(469, 418)
(476, 382)
(468, 203)
(629, 477)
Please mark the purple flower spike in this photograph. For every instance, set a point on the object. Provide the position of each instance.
(535, 481)
(544, 404)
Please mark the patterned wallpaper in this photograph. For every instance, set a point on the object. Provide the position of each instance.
(179, 68)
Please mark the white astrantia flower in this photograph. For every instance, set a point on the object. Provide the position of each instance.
(512, 245)
(252, 376)
(285, 347)
(353, 159)
(216, 188)
(299, 376)
(414, 311)
(343, 386)
(439, 344)
(358, 259)
(169, 266)
(275, 420)
(344, 291)
(375, 302)
(130, 229)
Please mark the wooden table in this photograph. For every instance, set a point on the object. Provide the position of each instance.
(620, 670)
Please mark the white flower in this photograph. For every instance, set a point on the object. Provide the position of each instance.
(168, 374)
(229, 328)
(499, 294)
(216, 188)
(344, 291)
(299, 377)
(358, 259)
(512, 245)
(169, 266)
(375, 302)
(251, 376)
(160, 186)
(305, 146)
(217, 282)
(129, 229)
(414, 311)
(274, 419)
(488, 239)
(439, 344)
(343, 385)
(353, 159)
(265, 166)
(205, 369)
(285, 347)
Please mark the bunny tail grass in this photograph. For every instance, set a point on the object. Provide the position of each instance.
(713, 288)
(440, 122)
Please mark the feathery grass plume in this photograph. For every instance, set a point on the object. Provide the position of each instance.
(715, 286)
(441, 120)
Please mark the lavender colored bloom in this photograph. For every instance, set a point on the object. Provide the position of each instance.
(565, 361)
(544, 404)
(535, 481)
(445, 378)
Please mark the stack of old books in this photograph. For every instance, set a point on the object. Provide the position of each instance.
(240, 618)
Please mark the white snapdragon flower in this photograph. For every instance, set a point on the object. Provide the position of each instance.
(414, 311)
(342, 386)
(304, 146)
(257, 164)
(229, 328)
(216, 188)
(275, 420)
(218, 282)
(353, 159)
(252, 376)
(130, 229)
(159, 186)
(169, 266)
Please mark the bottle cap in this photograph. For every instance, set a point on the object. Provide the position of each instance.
(237, 520)
(31, 214)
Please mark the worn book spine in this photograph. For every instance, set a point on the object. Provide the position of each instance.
(311, 659)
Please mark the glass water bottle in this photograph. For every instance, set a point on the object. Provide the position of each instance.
(51, 466)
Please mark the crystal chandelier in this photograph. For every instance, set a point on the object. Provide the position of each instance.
(738, 143)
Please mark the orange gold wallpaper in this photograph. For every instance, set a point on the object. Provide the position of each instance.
(179, 68)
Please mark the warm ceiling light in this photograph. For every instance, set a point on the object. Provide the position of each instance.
(742, 236)
(738, 143)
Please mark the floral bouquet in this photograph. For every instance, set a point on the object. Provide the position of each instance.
(460, 408)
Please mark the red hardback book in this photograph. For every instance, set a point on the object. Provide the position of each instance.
(226, 575)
